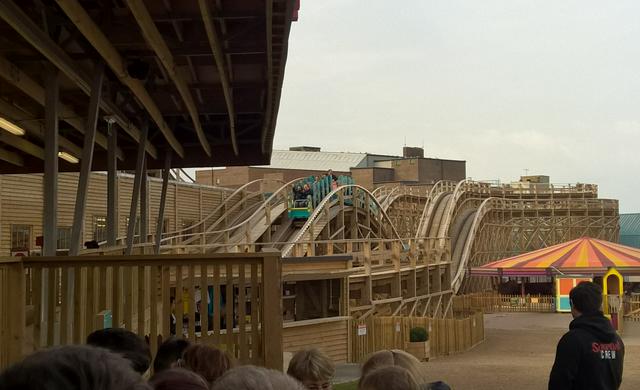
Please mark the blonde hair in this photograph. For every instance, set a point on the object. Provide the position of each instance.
(389, 377)
(256, 378)
(311, 364)
(394, 357)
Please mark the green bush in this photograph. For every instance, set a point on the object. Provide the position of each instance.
(418, 334)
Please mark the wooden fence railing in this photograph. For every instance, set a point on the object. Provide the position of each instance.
(446, 336)
(60, 300)
(497, 303)
(12, 311)
(632, 308)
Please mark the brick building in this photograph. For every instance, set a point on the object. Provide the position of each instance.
(368, 170)
(411, 169)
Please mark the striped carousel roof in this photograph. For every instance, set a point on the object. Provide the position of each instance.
(584, 256)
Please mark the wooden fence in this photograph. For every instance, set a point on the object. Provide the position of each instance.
(60, 300)
(632, 308)
(497, 303)
(446, 336)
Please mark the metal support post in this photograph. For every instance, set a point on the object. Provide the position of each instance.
(112, 182)
(50, 187)
(163, 201)
(144, 205)
(86, 161)
(50, 182)
(137, 183)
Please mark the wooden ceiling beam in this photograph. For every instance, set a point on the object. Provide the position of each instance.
(218, 55)
(22, 144)
(34, 126)
(13, 75)
(269, 104)
(100, 42)
(159, 46)
(275, 90)
(177, 15)
(20, 22)
(11, 157)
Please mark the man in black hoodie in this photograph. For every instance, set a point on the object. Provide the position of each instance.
(591, 355)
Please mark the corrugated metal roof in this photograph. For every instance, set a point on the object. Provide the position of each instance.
(629, 224)
(319, 161)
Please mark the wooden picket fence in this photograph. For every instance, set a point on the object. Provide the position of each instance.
(499, 303)
(60, 300)
(446, 336)
(632, 308)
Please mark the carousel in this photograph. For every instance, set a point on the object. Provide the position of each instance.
(565, 265)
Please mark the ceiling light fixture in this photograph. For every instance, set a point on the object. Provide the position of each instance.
(11, 127)
(68, 157)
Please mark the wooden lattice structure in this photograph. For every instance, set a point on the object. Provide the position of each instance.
(453, 225)
(393, 252)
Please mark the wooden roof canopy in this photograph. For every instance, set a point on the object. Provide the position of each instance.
(205, 75)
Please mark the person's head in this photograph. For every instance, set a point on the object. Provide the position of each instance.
(207, 361)
(256, 378)
(394, 357)
(585, 298)
(169, 353)
(313, 368)
(73, 367)
(439, 385)
(306, 186)
(389, 377)
(126, 343)
(330, 172)
(178, 379)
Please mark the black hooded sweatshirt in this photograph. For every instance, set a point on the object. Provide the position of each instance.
(589, 357)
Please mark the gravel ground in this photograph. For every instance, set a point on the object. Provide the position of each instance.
(518, 354)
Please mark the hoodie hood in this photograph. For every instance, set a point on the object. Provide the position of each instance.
(596, 324)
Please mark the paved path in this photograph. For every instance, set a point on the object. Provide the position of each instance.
(517, 354)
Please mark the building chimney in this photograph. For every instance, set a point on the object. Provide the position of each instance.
(412, 152)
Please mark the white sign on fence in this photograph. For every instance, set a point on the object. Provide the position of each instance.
(362, 329)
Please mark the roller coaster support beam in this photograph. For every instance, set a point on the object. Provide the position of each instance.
(87, 159)
(112, 183)
(51, 162)
(144, 203)
(137, 183)
(163, 201)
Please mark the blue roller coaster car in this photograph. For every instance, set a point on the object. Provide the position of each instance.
(299, 211)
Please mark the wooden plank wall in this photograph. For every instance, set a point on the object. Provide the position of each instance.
(446, 336)
(12, 311)
(328, 335)
(21, 203)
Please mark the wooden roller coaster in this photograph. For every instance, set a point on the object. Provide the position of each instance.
(397, 251)
(403, 249)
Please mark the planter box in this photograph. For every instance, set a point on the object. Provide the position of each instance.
(420, 350)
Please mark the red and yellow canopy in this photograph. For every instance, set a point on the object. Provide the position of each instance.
(584, 256)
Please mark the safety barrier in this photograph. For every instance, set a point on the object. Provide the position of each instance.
(498, 303)
(632, 308)
(69, 297)
(446, 336)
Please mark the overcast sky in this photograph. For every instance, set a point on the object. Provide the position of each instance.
(507, 85)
